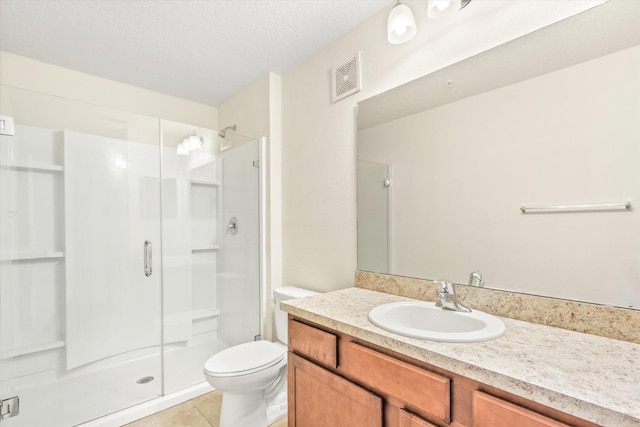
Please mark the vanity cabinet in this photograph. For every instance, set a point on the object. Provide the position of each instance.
(339, 381)
(324, 399)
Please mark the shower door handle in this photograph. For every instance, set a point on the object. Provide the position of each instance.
(148, 258)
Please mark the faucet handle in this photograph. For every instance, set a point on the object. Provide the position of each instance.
(446, 287)
(475, 279)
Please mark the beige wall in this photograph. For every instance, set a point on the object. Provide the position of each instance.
(318, 151)
(25, 73)
(248, 109)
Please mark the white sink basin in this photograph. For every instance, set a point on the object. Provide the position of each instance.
(421, 319)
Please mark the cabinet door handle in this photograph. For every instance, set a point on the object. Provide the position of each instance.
(148, 258)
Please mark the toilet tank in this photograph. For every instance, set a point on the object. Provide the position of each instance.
(283, 294)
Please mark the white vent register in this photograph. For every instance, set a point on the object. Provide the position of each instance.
(346, 79)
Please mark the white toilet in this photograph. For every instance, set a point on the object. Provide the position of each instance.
(252, 376)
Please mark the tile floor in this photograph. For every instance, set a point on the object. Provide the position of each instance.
(203, 411)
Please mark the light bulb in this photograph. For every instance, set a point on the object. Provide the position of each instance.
(401, 26)
(193, 143)
(439, 9)
(181, 150)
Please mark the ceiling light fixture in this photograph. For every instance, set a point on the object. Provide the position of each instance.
(445, 9)
(401, 26)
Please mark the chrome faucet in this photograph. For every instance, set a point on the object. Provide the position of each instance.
(475, 279)
(448, 300)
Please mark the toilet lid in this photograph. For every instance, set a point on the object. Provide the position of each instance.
(245, 358)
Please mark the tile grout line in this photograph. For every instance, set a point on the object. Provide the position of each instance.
(203, 415)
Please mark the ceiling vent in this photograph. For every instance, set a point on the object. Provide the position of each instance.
(345, 79)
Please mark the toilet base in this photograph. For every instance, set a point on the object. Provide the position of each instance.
(243, 410)
(276, 402)
(260, 408)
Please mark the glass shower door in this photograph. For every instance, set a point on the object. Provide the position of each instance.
(238, 276)
(211, 270)
(80, 305)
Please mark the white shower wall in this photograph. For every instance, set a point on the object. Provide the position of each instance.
(31, 249)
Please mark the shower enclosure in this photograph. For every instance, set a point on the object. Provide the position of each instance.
(125, 263)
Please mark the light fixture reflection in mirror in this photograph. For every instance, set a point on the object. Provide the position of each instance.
(181, 150)
(442, 9)
(189, 144)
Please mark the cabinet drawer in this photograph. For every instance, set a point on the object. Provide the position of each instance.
(319, 345)
(490, 411)
(421, 390)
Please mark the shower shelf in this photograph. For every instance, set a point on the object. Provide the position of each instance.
(204, 314)
(34, 348)
(205, 248)
(31, 256)
(42, 167)
(204, 182)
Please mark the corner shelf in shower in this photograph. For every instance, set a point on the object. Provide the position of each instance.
(37, 167)
(33, 348)
(31, 256)
(204, 314)
(204, 182)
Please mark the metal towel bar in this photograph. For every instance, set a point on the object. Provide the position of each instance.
(584, 207)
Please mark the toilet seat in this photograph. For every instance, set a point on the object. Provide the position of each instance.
(245, 359)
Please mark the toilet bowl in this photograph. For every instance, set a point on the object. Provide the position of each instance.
(252, 376)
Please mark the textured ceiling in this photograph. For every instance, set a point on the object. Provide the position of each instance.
(204, 51)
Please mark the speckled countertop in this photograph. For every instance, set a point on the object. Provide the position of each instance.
(591, 377)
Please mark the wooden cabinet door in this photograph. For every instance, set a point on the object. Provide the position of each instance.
(407, 419)
(320, 398)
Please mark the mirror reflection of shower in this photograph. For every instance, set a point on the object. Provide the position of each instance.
(225, 144)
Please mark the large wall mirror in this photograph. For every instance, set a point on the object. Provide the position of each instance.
(521, 163)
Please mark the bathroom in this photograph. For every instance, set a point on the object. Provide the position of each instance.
(299, 205)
